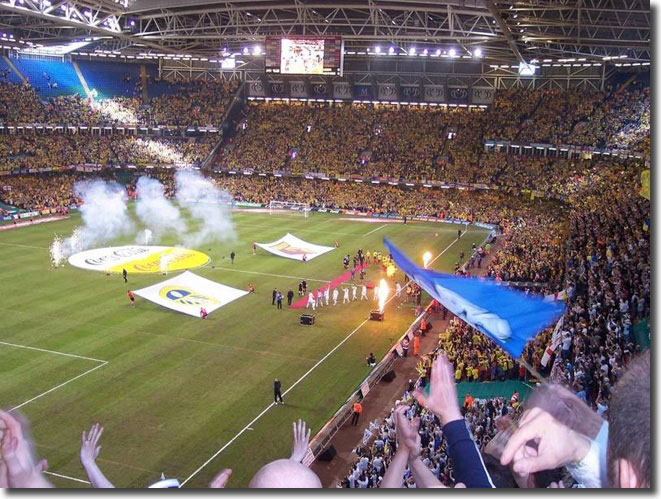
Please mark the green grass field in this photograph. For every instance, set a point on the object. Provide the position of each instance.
(172, 390)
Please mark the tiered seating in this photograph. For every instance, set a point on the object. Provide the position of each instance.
(7, 74)
(157, 87)
(50, 78)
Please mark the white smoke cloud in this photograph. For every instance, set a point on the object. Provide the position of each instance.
(104, 217)
(103, 211)
(208, 205)
(156, 211)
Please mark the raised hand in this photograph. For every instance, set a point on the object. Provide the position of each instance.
(221, 479)
(89, 450)
(542, 443)
(407, 431)
(19, 468)
(442, 398)
(301, 442)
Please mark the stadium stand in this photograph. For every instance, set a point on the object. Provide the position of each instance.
(110, 80)
(7, 74)
(50, 78)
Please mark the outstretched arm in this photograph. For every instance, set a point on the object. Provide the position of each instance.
(408, 436)
(89, 451)
(442, 401)
(394, 476)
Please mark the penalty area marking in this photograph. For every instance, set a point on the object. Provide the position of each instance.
(99, 361)
(272, 404)
(67, 477)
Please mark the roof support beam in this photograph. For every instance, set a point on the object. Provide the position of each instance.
(505, 29)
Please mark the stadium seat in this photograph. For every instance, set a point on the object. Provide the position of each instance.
(109, 79)
(12, 76)
(61, 73)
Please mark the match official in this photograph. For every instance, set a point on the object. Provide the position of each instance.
(277, 396)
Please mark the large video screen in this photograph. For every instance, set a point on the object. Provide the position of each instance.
(304, 55)
(301, 56)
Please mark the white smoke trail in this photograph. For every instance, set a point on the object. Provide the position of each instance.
(104, 215)
(156, 211)
(208, 205)
(147, 237)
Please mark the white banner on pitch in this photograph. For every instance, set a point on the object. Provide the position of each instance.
(292, 247)
(188, 293)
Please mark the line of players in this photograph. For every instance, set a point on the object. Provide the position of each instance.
(322, 296)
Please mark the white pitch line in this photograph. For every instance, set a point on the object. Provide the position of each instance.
(249, 425)
(447, 248)
(57, 387)
(259, 416)
(53, 352)
(374, 230)
(266, 273)
(67, 477)
(23, 246)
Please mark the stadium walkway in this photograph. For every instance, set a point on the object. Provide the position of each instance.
(377, 404)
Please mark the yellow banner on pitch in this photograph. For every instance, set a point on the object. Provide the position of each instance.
(168, 260)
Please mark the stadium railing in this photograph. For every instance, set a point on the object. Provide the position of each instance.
(323, 438)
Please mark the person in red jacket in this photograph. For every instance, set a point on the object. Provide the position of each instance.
(131, 296)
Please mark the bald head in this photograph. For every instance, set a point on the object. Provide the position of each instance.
(285, 474)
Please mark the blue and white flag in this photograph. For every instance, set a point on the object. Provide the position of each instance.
(510, 318)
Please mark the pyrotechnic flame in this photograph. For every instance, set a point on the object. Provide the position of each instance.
(383, 294)
(56, 252)
(166, 257)
(426, 258)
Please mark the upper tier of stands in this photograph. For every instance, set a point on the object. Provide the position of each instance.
(7, 74)
(110, 80)
(157, 87)
(50, 78)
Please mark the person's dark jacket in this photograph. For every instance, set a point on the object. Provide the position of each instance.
(469, 467)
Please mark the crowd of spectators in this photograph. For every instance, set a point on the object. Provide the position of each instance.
(437, 143)
(195, 103)
(380, 441)
(552, 439)
(36, 150)
(608, 284)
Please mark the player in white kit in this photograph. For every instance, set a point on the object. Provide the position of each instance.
(345, 295)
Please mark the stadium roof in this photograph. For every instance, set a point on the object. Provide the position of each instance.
(503, 31)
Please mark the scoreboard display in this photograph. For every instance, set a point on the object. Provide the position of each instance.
(304, 55)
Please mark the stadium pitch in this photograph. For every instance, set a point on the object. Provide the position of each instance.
(177, 394)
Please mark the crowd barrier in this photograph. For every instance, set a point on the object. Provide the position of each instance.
(322, 439)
